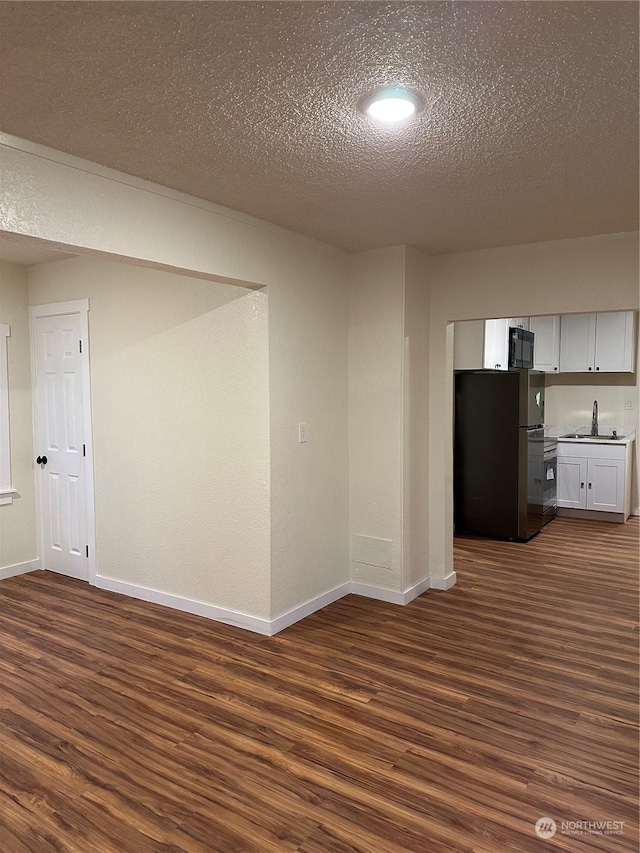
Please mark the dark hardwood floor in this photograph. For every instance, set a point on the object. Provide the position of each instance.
(451, 724)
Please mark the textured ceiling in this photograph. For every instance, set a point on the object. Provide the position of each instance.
(529, 129)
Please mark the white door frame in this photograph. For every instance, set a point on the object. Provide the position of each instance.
(55, 309)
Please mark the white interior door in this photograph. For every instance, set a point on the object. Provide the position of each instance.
(60, 429)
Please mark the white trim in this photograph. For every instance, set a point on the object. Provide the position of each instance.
(57, 309)
(19, 569)
(6, 496)
(444, 583)
(266, 627)
(186, 605)
(635, 510)
(391, 596)
(416, 590)
(54, 309)
(309, 607)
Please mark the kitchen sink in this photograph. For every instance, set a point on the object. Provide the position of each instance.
(593, 437)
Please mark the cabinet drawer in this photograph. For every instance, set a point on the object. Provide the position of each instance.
(591, 449)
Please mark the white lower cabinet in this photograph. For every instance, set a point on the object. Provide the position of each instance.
(572, 482)
(605, 484)
(594, 477)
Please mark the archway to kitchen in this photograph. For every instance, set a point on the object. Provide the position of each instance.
(566, 276)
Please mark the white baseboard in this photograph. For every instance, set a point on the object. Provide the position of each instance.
(309, 607)
(265, 626)
(444, 583)
(19, 569)
(186, 605)
(635, 511)
(391, 596)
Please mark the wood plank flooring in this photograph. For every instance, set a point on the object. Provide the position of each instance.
(447, 726)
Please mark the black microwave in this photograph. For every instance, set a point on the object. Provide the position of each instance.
(520, 348)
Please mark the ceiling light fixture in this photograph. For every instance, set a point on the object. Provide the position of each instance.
(391, 106)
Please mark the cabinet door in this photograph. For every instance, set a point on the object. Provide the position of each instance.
(572, 482)
(496, 344)
(546, 346)
(577, 343)
(614, 341)
(605, 489)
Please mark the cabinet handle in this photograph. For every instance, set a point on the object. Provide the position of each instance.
(597, 368)
(582, 485)
(589, 485)
(591, 368)
(555, 368)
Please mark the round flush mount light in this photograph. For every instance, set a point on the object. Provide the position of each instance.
(391, 106)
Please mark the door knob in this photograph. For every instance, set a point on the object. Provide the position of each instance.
(41, 460)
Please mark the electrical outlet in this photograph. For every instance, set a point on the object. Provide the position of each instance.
(629, 404)
(303, 433)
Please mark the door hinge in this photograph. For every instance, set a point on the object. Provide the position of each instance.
(80, 345)
(84, 449)
(87, 550)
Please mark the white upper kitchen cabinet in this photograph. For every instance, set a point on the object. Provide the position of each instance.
(577, 343)
(597, 342)
(496, 344)
(546, 345)
(614, 341)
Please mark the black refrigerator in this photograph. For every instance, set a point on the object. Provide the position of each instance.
(499, 452)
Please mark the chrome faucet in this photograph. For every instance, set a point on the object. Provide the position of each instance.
(594, 418)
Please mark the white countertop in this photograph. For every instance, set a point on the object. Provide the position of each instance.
(560, 431)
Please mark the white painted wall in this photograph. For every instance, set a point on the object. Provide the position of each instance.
(180, 395)
(73, 203)
(417, 315)
(17, 520)
(562, 277)
(468, 345)
(89, 209)
(376, 319)
(569, 400)
(308, 384)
